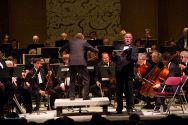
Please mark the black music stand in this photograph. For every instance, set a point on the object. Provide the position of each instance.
(50, 52)
(18, 70)
(142, 50)
(34, 46)
(62, 74)
(148, 43)
(118, 42)
(61, 43)
(16, 53)
(96, 42)
(107, 73)
(109, 49)
(6, 48)
(27, 58)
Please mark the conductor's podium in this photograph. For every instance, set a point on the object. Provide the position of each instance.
(99, 101)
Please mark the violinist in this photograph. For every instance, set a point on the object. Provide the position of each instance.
(173, 71)
(37, 79)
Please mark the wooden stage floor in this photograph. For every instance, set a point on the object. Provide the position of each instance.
(86, 114)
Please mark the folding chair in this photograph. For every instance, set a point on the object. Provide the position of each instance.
(177, 83)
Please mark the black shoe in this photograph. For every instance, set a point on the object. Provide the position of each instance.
(87, 98)
(72, 98)
(148, 106)
(129, 111)
(119, 112)
(165, 108)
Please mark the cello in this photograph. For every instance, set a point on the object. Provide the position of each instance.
(156, 76)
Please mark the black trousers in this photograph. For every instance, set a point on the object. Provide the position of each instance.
(82, 71)
(6, 93)
(124, 85)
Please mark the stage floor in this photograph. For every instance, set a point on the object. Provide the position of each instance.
(86, 114)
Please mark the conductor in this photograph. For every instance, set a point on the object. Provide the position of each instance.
(77, 65)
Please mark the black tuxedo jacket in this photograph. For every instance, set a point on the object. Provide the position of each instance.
(125, 63)
(111, 72)
(32, 78)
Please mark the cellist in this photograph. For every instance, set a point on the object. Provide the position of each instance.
(143, 66)
(173, 71)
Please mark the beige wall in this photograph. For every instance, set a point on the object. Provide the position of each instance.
(102, 16)
(166, 18)
(27, 17)
(136, 15)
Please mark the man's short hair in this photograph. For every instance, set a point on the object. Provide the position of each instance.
(184, 53)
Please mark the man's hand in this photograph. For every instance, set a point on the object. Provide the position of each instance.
(42, 92)
(156, 86)
(98, 84)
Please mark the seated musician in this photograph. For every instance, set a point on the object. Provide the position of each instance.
(143, 67)
(103, 80)
(173, 72)
(41, 83)
(25, 91)
(37, 78)
(7, 89)
(184, 68)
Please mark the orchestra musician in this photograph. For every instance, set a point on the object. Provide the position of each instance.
(125, 73)
(7, 88)
(184, 68)
(25, 91)
(143, 66)
(37, 79)
(173, 71)
(100, 81)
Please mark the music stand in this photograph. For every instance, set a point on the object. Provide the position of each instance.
(118, 42)
(27, 58)
(34, 46)
(16, 53)
(141, 50)
(96, 42)
(61, 43)
(107, 74)
(148, 43)
(109, 49)
(18, 70)
(49, 52)
(6, 48)
(170, 49)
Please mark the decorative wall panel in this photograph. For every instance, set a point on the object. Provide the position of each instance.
(72, 16)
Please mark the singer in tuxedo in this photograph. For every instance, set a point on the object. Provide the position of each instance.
(78, 65)
(125, 73)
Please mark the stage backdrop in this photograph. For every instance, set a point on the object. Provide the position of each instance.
(72, 16)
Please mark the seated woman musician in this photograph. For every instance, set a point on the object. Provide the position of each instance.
(104, 73)
(169, 69)
(142, 68)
